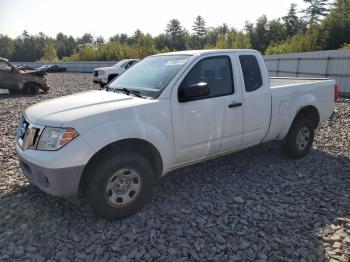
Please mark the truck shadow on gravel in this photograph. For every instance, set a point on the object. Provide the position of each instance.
(255, 204)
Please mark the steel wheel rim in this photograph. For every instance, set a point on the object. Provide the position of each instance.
(123, 187)
(303, 138)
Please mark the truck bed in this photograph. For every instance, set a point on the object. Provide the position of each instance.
(287, 81)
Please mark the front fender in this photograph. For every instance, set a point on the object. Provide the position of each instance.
(116, 131)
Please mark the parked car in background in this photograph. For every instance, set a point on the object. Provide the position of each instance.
(52, 69)
(104, 75)
(21, 81)
(166, 112)
(24, 67)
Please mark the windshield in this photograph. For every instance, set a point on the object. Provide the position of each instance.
(151, 75)
(121, 63)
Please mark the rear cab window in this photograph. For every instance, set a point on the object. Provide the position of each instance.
(251, 72)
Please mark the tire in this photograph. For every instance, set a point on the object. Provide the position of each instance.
(102, 85)
(111, 183)
(299, 138)
(31, 89)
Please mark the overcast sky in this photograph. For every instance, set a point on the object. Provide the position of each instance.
(108, 17)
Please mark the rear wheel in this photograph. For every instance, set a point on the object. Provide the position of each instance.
(299, 139)
(119, 185)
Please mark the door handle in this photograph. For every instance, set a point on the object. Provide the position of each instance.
(234, 104)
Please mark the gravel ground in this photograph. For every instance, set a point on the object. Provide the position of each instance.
(255, 205)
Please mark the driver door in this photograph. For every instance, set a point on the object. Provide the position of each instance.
(199, 125)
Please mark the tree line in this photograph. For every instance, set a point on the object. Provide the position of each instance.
(321, 26)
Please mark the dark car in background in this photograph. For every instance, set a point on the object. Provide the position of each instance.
(52, 69)
(24, 67)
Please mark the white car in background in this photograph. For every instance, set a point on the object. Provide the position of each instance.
(104, 75)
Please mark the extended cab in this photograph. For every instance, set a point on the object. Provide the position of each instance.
(104, 75)
(167, 111)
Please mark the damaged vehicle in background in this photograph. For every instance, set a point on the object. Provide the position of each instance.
(21, 81)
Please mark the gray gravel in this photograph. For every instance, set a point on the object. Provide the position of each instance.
(255, 205)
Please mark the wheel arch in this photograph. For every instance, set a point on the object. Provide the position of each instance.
(309, 112)
(125, 145)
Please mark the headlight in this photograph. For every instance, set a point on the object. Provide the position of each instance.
(54, 138)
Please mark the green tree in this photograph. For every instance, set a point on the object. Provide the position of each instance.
(161, 42)
(99, 40)
(49, 53)
(28, 47)
(65, 46)
(241, 41)
(176, 35)
(298, 43)
(316, 10)
(86, 39)
(199, 31)
(258, 34)
(292, 22)
(276, 31)
(335, 28)
(6, 46)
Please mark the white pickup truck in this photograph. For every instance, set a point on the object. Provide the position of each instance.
(104, 75)
(167, 111)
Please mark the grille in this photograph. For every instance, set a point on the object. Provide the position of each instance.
(27, 135)
(22, 128)
(95, 73)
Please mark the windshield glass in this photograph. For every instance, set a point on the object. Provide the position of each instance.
(151, 75)
(121, 63)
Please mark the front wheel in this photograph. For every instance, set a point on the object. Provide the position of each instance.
(119, 185)
(31, 89)
(299, 139)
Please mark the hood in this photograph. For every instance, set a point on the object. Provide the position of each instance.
(55, 112)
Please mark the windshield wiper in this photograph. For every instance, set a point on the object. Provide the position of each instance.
(129, 92)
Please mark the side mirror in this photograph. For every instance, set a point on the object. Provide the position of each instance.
(192, 92)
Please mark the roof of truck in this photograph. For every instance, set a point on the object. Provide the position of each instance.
(205, 51)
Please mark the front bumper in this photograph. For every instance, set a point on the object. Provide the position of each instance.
(63, 182)
(99, 79)
(55, 172)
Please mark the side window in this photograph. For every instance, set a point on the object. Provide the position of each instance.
(251, 72)
(128, 64)
(216, 72)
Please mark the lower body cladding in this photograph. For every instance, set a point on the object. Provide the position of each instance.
(62, 182)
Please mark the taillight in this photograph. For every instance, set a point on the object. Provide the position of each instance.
(336, 92)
